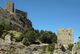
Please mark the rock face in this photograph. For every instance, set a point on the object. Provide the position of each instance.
(19, 48)
(16, 20)
(61, 49)
(7, 39)
(14, 48)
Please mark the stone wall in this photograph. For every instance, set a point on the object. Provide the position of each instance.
(65, 36)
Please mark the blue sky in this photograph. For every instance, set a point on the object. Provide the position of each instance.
(51, 14)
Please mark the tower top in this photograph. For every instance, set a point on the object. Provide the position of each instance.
(10, 6)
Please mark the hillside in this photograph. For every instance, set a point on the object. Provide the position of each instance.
(19, 21)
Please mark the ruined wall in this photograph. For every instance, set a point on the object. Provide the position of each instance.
(65, 36)
(10, 6)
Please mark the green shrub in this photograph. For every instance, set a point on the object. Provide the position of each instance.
(25, 41)
(70, 46)
(48, 37)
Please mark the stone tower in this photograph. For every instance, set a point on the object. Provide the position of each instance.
(10, 6)
(65, 36)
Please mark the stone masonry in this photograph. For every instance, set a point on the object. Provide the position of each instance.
(65, 36)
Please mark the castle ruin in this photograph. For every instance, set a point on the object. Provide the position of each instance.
(15, 17)
(65, 36)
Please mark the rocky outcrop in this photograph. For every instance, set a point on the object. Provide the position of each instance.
(19, 48)
(17, 21)
(7, 46)
(76, 48)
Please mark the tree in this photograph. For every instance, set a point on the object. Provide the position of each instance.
(48, 37)
(50, 48)
(5, 26)
(31, 36)
(1, 30)
(36, 37)
(70, 46)
(79, 37)
(25, 41)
